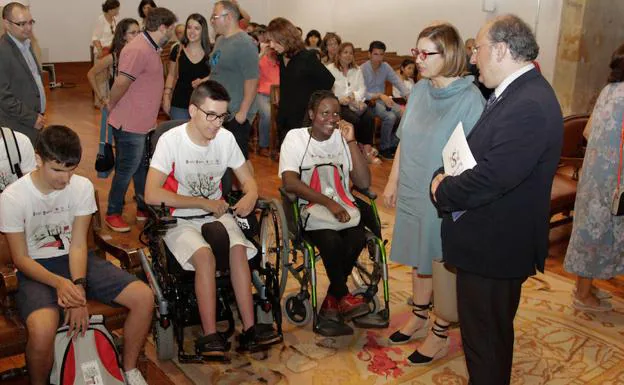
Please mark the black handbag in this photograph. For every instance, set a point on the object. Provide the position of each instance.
(617, 205)
(105, 160)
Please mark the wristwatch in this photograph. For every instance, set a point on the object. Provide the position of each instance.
(82, 282)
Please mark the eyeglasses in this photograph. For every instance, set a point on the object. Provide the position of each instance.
(213, 117)
(215, 17)
(422, 55)
(475, 49)
(22, 24)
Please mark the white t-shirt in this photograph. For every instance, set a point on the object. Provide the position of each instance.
(346, 85)
(408, 83)
(195, 170)
(299, 148)
(26, 165)
(46, 220)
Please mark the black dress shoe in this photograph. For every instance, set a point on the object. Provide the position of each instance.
(332, 328)
(266, 334)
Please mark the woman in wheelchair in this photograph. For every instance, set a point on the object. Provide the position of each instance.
(185, 174)
(316, 164)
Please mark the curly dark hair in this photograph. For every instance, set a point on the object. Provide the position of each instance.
(119, 39)
(315, 99)
(109, 5)
(283, 32)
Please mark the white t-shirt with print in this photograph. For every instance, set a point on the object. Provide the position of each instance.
(45, 219)
(195, 170)
(26, 165)
(299, 148)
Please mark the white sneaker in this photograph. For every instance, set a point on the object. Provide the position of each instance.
(134, 377)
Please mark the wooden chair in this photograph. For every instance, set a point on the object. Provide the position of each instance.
(563, 193)
(12, 330)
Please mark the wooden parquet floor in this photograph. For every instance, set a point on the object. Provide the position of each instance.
(73, 107)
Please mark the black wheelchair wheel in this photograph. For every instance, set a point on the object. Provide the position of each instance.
(298, 310)
(367, 269)
(275, 242)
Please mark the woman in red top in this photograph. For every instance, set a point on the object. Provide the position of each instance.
(269, 75)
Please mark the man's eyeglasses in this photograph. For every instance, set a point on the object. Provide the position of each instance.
(215, 17)
(423, 55)
(22, 24)
(475, 49)
(213, 117)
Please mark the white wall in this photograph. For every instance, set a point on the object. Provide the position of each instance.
(64, 26)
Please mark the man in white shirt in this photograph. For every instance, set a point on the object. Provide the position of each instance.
(45, 216)
(185, 173)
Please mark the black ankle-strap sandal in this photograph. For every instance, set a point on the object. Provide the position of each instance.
(398, 338)
(417, 309)
(438, 330)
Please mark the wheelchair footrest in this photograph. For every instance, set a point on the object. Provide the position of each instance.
(371, 321)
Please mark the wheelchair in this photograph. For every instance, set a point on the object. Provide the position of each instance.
(176, 303)
(286, 248)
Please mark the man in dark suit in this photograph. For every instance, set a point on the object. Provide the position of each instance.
(22, 96)
(502, 237)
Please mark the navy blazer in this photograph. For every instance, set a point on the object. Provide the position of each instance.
(517, 145)
(19, 95)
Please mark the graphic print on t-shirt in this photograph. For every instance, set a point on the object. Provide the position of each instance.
(51, 234)
(203, 185)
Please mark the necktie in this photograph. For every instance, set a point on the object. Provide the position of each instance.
(490, 102)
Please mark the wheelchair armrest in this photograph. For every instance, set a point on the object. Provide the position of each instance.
(290, 197)
(366, 192)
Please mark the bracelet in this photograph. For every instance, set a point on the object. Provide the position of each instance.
(351, 141)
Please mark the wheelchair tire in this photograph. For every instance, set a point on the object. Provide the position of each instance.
(298, 312)
(373, 303)
(275, 242)
(164, 341)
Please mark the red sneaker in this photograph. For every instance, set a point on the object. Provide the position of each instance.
(116, 223)
(351, 306)
(329, 308)
(141, 216)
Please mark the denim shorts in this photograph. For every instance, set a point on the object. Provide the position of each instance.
(104, 283)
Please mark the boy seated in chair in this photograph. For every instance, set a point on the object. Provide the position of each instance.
(45, 216)
(185, 173)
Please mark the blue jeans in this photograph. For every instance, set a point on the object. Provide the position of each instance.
(263, 104)
(178, 113)
(388, 121)
(130, 163)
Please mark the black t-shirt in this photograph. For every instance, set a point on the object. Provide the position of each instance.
(187, 72)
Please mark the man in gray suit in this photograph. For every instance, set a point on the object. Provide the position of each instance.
(22, 96)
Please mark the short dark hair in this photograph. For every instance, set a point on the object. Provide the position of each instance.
(231, 8)
(313, 32)
(60, 144)
(159, 16)
(110, 5)
(283, 32)
(8, 9)
(451, 47)
(376, 44)
(142, 4)
(513, 31)
(617, 66)
(405, 63)
(315, 99)
(210, 89)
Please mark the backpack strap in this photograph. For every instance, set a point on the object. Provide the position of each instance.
(12, 150)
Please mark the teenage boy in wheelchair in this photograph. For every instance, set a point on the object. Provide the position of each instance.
(316, 164)
(185, 174)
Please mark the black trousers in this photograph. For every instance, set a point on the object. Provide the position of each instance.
(486, 309)
(363, 124)
(339, 252)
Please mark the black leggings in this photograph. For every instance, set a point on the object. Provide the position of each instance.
(363, 124)
(339, 251)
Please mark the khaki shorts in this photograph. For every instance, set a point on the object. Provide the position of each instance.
(186, 238)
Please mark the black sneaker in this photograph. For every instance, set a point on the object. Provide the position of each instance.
(248, 341)
(266, 334)
(331, 327)
(211, 345)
